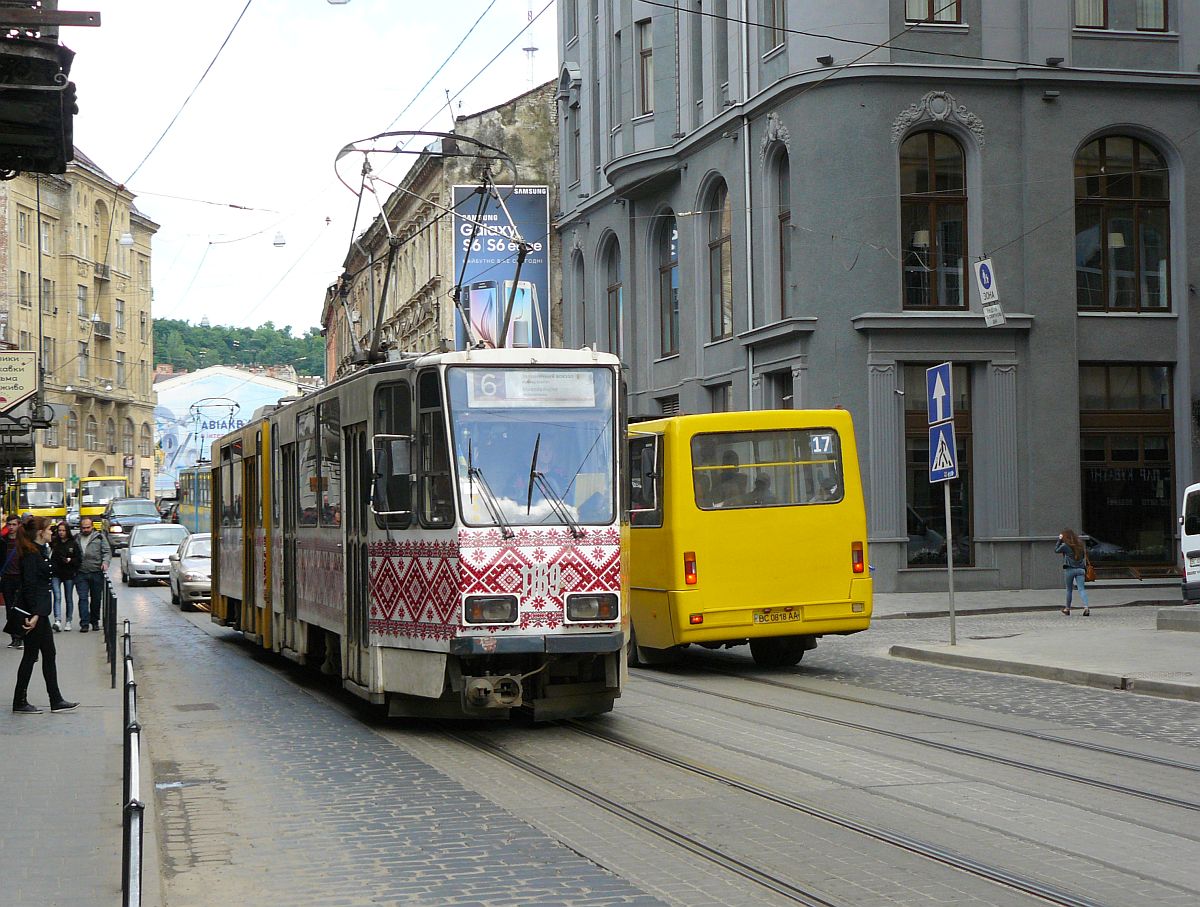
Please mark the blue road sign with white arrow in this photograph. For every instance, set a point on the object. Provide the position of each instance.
(943, 453)
(939, 395)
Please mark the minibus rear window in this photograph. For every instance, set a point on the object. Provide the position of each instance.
(767, 468)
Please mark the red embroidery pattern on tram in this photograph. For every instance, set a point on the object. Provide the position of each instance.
(320, 595)
(416, 585)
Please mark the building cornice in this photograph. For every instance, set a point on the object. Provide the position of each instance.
(937, 321)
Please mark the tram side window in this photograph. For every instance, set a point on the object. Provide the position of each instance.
(437, 500)
(231, 489)
(308, 479)
(767, 468)
(392, 415)
(276, 479)
(331, 463)
(645, 482)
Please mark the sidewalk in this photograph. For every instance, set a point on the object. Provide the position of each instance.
(60, 841)
(1078, 650)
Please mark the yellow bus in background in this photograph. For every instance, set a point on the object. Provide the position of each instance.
(96, 491)
(745, 527)
(40, 495)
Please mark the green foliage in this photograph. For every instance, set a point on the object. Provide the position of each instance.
(193, 346)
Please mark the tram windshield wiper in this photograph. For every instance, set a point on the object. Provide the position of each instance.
(494, 508)
(557, 504)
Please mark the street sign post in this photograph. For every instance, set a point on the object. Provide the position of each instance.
(989, 292)
(943, 456)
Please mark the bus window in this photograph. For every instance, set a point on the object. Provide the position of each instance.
(645, 482)
(767, 468)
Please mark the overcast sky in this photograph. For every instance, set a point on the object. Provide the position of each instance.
(298, 80)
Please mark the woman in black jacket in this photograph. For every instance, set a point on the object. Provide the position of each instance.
(34, 541)
(64, 564)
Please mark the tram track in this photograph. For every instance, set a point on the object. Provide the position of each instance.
(956, 749)
(689, 843)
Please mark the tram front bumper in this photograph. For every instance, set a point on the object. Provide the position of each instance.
(573, 643)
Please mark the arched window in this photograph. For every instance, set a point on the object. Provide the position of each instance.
(147, 445)
(783, 237)
(72, 431)
(100, 232)
(668, 284)
(90, 439)
(127, 437)
(110, 436)
(720, 262)
(579, 288)
(1122, 227)
(614, 296)
(933, 219)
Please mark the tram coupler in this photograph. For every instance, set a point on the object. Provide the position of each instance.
(492, 692)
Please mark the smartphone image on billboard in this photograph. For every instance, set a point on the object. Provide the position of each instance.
(483, 309)
(525, 328)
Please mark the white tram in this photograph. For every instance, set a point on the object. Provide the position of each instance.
(441, 531)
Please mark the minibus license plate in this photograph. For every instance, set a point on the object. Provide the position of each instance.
(1194, 561)
(777, 617)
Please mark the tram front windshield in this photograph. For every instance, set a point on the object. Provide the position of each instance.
(103, 492)
(42, 494)
(500, 416)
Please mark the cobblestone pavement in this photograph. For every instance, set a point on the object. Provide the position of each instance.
(861, 661)
(266, 794)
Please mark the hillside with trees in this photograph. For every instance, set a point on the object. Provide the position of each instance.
(193, 346)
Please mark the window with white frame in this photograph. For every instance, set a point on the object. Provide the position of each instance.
(719, 211)
(47, 238)
(23, 227)
(127, 437)
(1151, 15)
(933, 11)
(120, 368)
(48, 355)
(82, 359)
(146, 447)
(73, 431)
(25, 289)
(91, 436)
(1091, 13)
(645, 64)
(119, 314)
(81, 301)
(774, 21)
(48, 300)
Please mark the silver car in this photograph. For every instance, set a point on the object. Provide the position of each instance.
(144, 559)
(191, 570)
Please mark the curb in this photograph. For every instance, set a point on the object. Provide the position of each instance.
(1021, 609)
(1097, 679)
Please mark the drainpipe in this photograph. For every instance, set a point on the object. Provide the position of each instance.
(745, 37)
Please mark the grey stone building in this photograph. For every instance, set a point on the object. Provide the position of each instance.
(777, 203)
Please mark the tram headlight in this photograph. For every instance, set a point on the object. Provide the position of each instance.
(490, 609)
(592, 606)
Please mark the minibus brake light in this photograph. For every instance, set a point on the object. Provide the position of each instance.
(856, 557)
(689, 567)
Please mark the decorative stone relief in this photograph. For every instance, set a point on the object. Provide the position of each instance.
(775, 132)
(937, 107)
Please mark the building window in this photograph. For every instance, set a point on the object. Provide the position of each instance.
(144, 320)
(1127, 437)
(147, 442)
(668, 285)
(571, 12)
(91, 440)
(1122, 227)
(48, 299)
(81, 301)
(119, 314)
(645, 80)
(127, 437)
(774, 20)
(23, 228)
(25, 341)
(574, 165)
(110, 436)
(1151, 15)
(47, 238)
(48, 355)
(932, 11)
(720, 32)
(50, 436)
(669, 406)
(926, 510)
(615, 297)
(720, 263)
(615, 86)
(73, 431)
(144, 376)
(580, 288)
(720, 398)
(82, 358)
(25, 289)
(933, 211)
(1091, 13)
(120, 368)
(779, 390)
(783, 234)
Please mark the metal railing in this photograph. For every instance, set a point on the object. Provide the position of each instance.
(133, 807)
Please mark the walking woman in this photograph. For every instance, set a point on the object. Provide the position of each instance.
(34, 539)
(10, 580)
(1071, 547)
(64, 564)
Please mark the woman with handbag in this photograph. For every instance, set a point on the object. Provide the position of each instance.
(1075, 567)
(36, 607)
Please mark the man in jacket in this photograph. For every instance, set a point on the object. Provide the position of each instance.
(89, 581)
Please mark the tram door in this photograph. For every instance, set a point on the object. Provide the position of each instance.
(251, 508)
(355, 497)
(291, 505)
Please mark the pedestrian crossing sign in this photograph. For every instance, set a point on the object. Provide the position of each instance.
(943, 453)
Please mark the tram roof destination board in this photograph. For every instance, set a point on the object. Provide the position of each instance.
(550, 388)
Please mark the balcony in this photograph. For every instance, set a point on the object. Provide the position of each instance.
(103, 271)
(102, 330)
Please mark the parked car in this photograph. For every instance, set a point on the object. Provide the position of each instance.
(121, 515)
(73, 517)
(191, 570)
(145, 557)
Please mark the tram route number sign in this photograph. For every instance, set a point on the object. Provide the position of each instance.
(551, 388)
(18, 377)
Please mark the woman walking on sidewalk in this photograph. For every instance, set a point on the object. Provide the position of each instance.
(34, 541)
(1071, 547)
(10, 579)
(64, 564)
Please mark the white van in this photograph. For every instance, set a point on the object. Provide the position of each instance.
(1189, 544)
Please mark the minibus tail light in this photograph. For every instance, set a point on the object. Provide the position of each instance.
(856, 557)
(689, 567)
